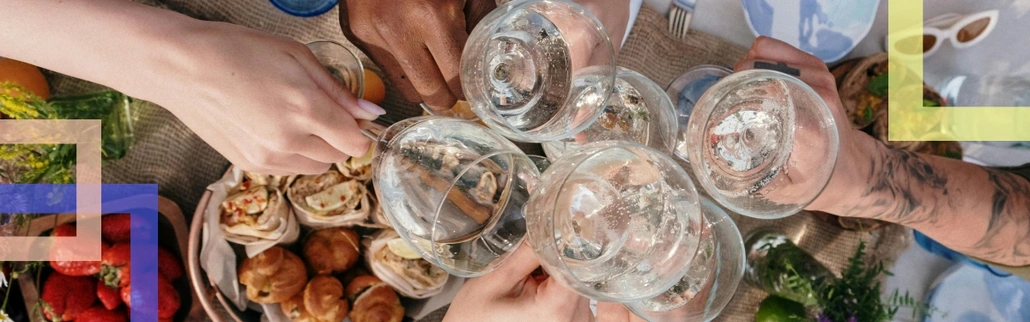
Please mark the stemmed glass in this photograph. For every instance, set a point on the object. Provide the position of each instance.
(762, 143)
(538, 70)
(637, 111)
(343, 63)
(615, 221)
(454, 190)
(715, 271)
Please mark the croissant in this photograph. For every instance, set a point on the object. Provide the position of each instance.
(321, 301)
(373, 301)
(331, 251)
(273, 276)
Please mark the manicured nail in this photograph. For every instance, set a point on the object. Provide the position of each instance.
(371, 107)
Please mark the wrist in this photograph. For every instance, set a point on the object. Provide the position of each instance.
(850, 178)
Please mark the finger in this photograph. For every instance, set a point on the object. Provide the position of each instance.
(394, 71)
(765, 48)
(475, 10)
(446, 52)
(514, 272)
(425, 76)
(338, 129)
(341, 95)
(292, 164)
(318, 149)
(817, 77)
(612, 312)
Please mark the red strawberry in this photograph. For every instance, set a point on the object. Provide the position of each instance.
(62, 249)
(167, 298)
(98, 313)
(168, 264)
(108, 295)
(65, 297)
(116, 228)
(168, 301)
(115, 269)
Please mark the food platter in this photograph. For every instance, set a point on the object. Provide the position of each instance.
(372, 229)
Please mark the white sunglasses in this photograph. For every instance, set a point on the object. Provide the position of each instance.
(963, 31)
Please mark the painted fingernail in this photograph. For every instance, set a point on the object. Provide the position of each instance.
(371, 107)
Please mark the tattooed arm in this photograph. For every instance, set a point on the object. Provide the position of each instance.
(982, 212)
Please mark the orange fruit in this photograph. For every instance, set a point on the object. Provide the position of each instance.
(375, 90)
(24, 75)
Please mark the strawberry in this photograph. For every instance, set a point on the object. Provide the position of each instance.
(115, 269)
(168, 301)
(65, 297)
(108, 295)
(169, 265)
(98, 313)
(62, 249)
(116, 228)
(167, 298)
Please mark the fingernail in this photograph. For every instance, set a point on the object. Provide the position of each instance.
(371, 107)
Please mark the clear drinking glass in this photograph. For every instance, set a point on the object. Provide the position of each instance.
(454, 191)
(538, 70)
(343, 63)
(637, 111)
(774, 262)
(715, 272)
(762, 143)
(685, 91)
(615, 221)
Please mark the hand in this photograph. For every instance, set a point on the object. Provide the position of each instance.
(615, 312)
(418, 43)
(512, 293)
(263, 101)
(804, 157)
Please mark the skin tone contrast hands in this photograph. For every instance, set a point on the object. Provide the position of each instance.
(262, 101)
(514, 293)
(419, 43)
(982, 212)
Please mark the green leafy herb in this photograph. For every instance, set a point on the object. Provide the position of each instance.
(857, 293)
(878, 86)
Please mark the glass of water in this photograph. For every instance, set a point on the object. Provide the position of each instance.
(538, 70)
(715, 271)
(615, 221)
(762, 143)
(637, 111)
(342, 63)
(454, 190)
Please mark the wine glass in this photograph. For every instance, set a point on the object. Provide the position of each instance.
(614, 221)
(453, 190)
(538, 70)
(637, 111)
(343, 63)
(715, 271)
(762, 143)
(685, 91)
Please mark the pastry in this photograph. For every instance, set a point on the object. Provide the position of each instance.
(358, 168)
(863, 91)
(373, 301)
(407, 273)
(332, 250)
(254, 211)
(321, 301)
(329, 200)
(273, 276)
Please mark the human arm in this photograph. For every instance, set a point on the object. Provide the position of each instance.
(261, 100)
(982, 212)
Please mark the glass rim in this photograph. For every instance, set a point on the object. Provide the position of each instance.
(595, 149)
(497, 262)
(529, 136)
(823, 110)
(360, 78)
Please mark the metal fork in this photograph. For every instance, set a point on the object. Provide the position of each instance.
(680, 13)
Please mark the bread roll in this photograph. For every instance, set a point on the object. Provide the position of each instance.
(373, 301)
(273, 276)
(332, 250)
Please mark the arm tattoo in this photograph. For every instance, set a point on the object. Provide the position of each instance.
(901, 182)
(1008, 232)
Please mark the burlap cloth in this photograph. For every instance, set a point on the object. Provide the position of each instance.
(169, 154)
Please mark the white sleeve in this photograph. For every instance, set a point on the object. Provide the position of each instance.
(634, 10)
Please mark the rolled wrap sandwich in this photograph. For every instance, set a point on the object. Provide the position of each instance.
(256, 213)
(407, 273)
(357, 168)
(329, 200)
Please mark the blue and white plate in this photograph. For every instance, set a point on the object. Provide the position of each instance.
(828, 29)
